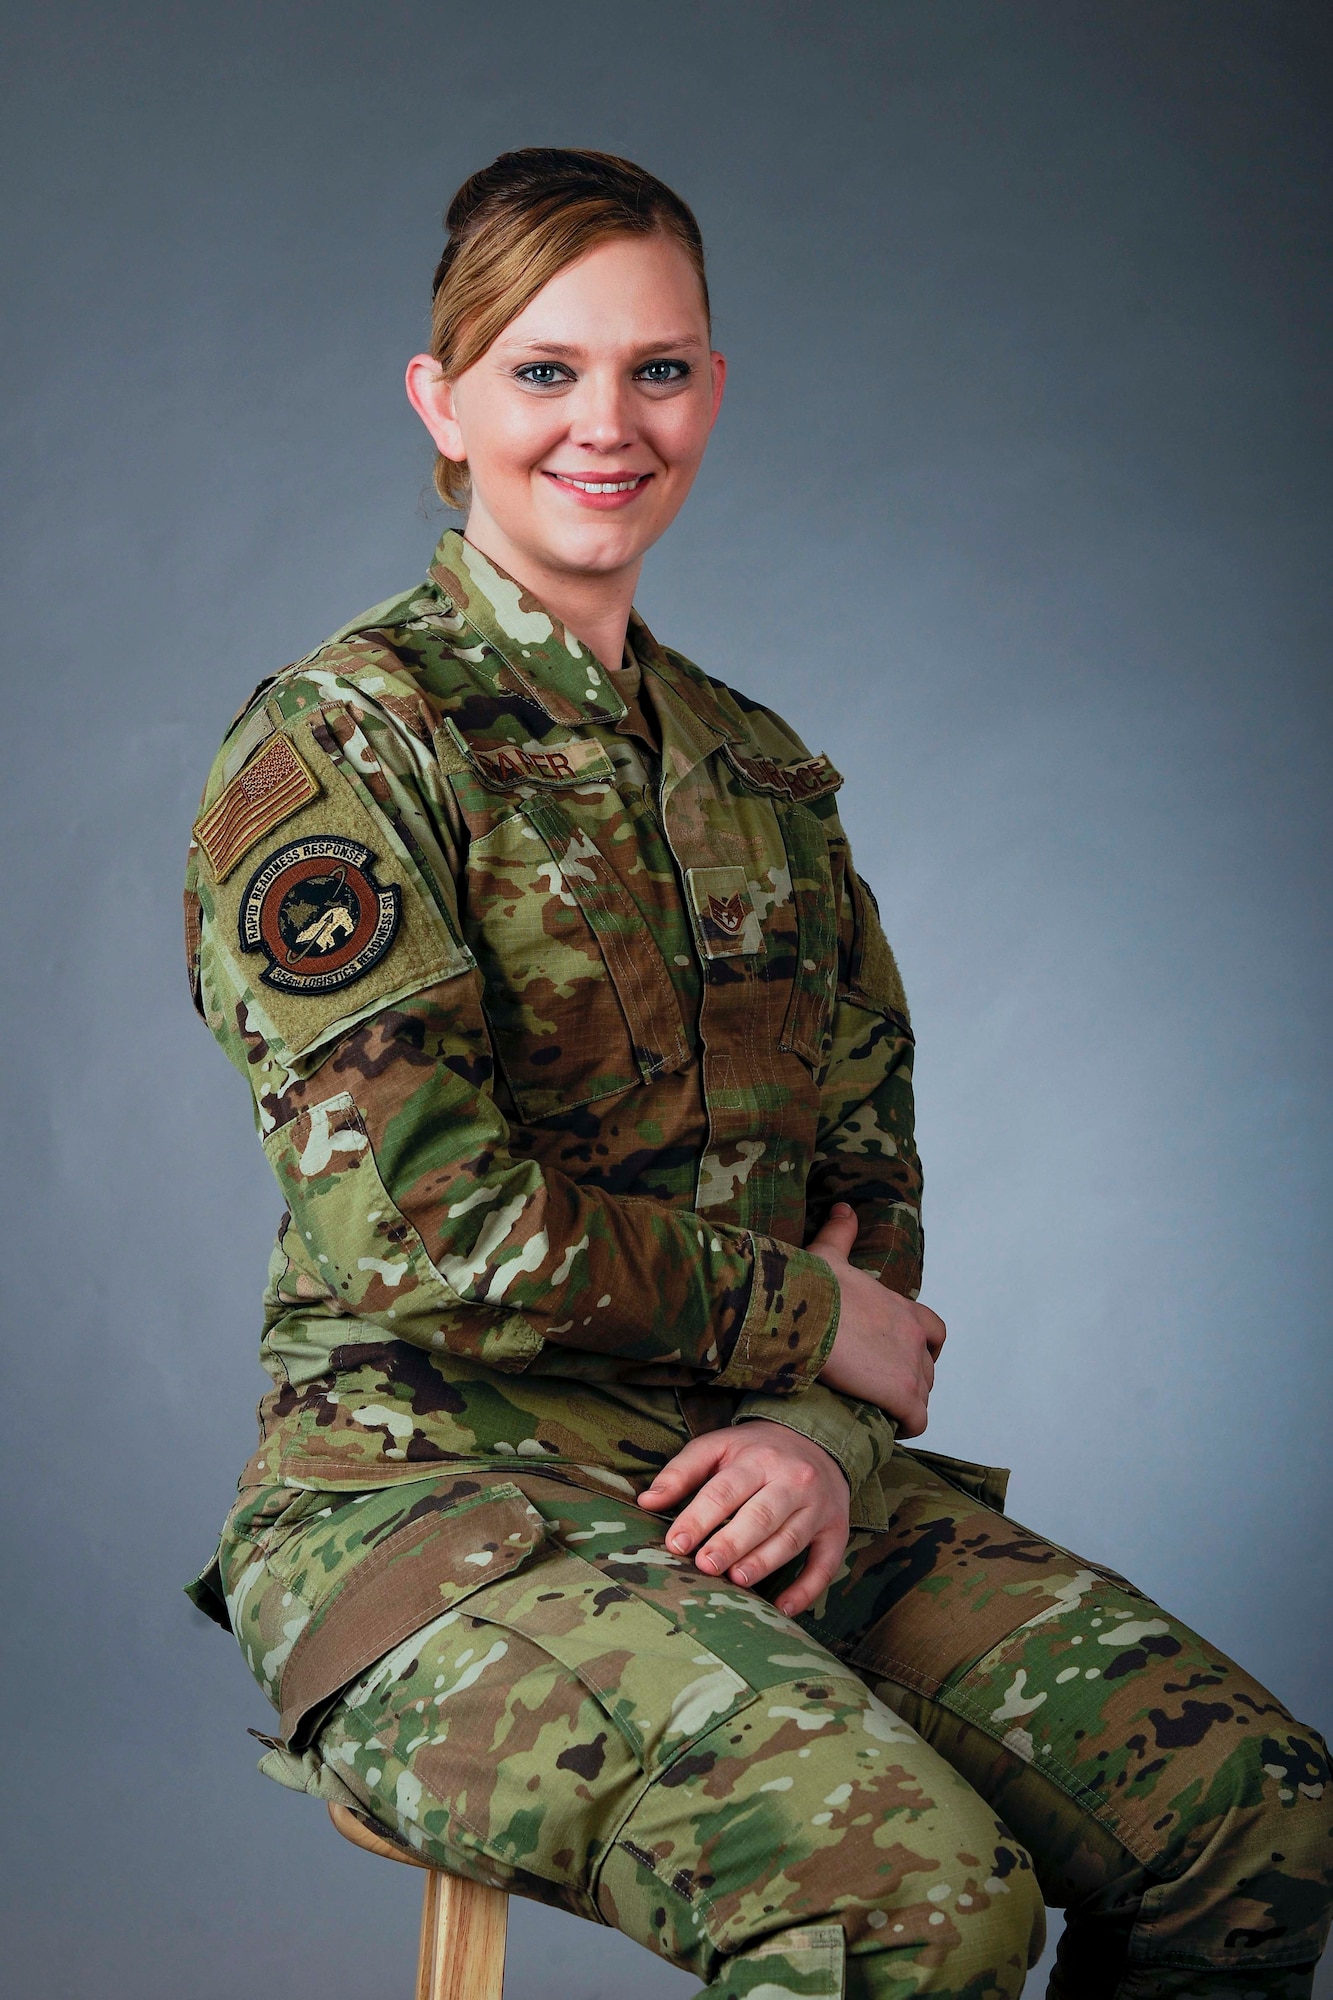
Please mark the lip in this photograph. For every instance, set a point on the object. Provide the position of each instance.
(571, 484)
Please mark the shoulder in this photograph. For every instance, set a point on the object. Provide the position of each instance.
(395, 663)
(763, 747)
(752, 721)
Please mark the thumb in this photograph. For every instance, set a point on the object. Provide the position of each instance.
(838, 1233)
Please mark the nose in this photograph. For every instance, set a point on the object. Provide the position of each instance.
(601, 418)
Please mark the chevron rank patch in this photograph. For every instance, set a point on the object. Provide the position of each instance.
(269, 790)
(725, 917)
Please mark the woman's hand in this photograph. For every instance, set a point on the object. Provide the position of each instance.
(886, 1346)
(776, 1492)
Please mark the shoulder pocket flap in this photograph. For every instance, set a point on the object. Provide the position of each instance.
(330, 919)
(810, 1009)
(873, 975)
(425, 1567)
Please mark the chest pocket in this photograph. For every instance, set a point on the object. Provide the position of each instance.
(580, 1003)
(798, 900)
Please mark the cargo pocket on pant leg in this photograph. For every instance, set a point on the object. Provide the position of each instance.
(949, 1578)
(656, 1685)
(338, 1579)
(441, 1551)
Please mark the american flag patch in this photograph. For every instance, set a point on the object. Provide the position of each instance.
(260, 797)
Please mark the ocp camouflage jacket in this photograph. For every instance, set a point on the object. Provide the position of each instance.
(559, 1051)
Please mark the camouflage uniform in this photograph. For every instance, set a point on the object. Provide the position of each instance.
(567, 1018)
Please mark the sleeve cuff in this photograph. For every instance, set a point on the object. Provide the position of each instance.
(857, 1435)
(789, 1323)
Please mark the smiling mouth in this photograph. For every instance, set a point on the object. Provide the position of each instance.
(628, 485)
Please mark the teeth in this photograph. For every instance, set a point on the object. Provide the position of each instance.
(603, 485)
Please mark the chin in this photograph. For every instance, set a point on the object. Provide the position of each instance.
(596, 548)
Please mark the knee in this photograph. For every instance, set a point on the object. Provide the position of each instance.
(973, 1931)
(1269, 1862)
(1011, 1930)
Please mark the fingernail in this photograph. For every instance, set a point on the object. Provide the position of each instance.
(741, 1575)
(707, 1562)
(678, 1541)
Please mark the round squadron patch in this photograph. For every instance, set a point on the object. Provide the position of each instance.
(317, 913)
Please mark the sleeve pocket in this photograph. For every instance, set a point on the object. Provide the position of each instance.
(353, 1251)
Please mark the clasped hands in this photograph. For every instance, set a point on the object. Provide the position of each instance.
(763, 1493)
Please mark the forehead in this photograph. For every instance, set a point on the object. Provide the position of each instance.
(626, 291)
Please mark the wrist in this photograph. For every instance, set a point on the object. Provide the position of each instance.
(800, 1425)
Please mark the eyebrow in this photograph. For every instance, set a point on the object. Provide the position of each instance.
(564, 349)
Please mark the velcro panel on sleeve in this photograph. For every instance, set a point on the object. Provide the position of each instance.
(328, 919)
(874, 975)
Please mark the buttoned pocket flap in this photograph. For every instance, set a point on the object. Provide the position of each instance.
(655, 1679)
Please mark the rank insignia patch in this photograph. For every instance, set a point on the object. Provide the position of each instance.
(269, 790)
(317, 913)
(728, 925)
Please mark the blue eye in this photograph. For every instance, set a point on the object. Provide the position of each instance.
(660, 372)
(542, 374)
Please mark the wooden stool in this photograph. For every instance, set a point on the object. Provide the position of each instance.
(463, 1923)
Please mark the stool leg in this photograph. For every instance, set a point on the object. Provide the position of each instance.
(463, 1927)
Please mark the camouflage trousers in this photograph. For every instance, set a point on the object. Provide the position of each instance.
(875, 1800)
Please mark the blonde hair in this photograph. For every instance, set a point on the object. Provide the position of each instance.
(512, 226)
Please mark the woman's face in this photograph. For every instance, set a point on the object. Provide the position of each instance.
(584, 422)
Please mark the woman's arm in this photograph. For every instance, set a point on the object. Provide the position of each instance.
(866, 1157)
(760, 1499)
(866, 1147)
(380, 1121)
(757, 1503)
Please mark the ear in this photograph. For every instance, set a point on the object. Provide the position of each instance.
(431, 395)
(718, 362)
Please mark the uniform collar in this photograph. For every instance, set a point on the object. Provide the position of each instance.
(558, 673)
(692, 689)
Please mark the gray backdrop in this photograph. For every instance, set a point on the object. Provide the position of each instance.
(1019, 508)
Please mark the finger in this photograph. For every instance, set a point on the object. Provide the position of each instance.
(772, 1516)
(692, 1464)
(936, 1332)
(912, 1418)
(717, 1501)
(838, 1233)
(821, 1566)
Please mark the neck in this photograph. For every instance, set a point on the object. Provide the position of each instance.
(593, 606)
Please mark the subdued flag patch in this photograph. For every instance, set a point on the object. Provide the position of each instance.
(260, 797)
